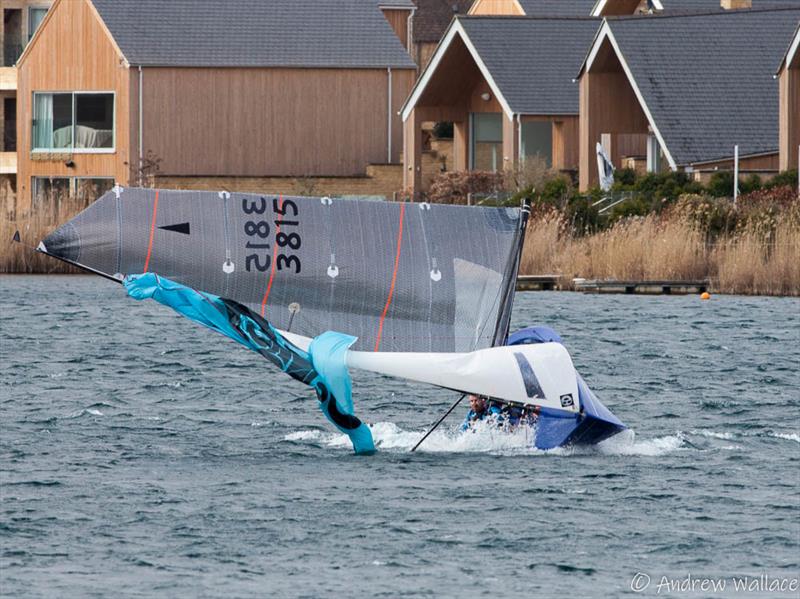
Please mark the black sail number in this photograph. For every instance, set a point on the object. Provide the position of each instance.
(255, 258)
(255, 206)
(286, 237)
(257, 232)
(281, 209)
(287, 261)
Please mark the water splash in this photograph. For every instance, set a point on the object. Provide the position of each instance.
(484, 438)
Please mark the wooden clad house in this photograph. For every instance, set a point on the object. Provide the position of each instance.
(286, 88)
(21, 19)
(611, 8)
(681, 91)
(431, 20)
(789, 83)
(533, 8)
(506, 84)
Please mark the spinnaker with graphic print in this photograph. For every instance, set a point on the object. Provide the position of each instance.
(320, 286)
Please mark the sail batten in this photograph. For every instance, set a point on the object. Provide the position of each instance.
(398, 276)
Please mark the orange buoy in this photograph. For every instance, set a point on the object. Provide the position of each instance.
(705, 295)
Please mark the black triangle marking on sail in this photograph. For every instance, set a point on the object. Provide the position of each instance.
(178, 228)
(17, 237)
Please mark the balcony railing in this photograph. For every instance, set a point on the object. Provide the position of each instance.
(11, 53)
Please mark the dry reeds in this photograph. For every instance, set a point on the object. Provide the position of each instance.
(669, 247)
(759, 255)
(33, 226)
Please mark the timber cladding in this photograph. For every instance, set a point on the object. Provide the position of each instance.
(208, 121)
(271, 122)
(73, 52)
(789, 129)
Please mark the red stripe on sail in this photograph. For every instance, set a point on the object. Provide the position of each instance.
(394, 276)
(274, 260)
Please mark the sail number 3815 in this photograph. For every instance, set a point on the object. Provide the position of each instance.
(284, 216)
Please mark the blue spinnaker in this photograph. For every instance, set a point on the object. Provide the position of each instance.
(324, 369)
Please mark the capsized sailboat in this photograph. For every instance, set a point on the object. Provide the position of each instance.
(320, 286)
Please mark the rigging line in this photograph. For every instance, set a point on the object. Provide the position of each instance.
(507, 301)
(274, 261)
(438, 422)
(152, 233)
(67, 261)
(394, 276)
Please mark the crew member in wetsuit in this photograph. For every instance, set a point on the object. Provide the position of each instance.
(503, 415)
(479, 409)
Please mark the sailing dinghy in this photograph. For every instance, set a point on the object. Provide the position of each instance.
(320, 286)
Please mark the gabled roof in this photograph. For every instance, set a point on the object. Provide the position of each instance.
(557, 8)
(699, 6)
(433, 16)
(792, 51)
(253, 33)
(705, 81)
(528, 62)
(399, 4)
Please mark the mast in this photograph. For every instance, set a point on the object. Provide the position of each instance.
(507, 302)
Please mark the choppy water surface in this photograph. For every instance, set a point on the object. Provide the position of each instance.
(144, 456)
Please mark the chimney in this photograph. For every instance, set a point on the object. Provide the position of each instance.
(736, 4)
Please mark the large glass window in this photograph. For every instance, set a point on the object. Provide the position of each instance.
(89, 190)
(35, 17)
(487, 141)
(537, 140)
(49, 191)
(69, 121)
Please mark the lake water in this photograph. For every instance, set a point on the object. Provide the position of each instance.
(142, 455)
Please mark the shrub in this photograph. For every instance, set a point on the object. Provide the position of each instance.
(453, 187)
(788, 178)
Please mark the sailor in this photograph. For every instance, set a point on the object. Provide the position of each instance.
(479, 409)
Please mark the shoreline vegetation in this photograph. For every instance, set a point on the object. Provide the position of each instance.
(665, 227)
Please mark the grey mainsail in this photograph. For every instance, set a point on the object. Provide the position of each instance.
(399, 276)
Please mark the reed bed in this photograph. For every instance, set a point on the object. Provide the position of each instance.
(762, 257)
(33, 226)
(750, 260)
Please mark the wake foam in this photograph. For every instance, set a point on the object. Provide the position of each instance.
(484, 438)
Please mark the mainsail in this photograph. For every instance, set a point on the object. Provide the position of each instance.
(400, 277)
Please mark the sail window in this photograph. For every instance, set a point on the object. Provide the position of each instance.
(79, 121)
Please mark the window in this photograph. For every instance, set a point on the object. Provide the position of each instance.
(537, 140)
(653, 154)
(89, 190)
(73, 121)
(487, 141)
(35, 18)
(51, 190)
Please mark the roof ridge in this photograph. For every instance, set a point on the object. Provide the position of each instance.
(709, 13)
(525, 18)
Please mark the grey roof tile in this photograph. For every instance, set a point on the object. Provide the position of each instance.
(715, 5)
(433, 16)
(253, 33)
(533, 60)
(708, 79)
(557, 8)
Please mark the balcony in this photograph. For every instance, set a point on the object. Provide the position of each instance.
(8, 79)
(8, 163)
